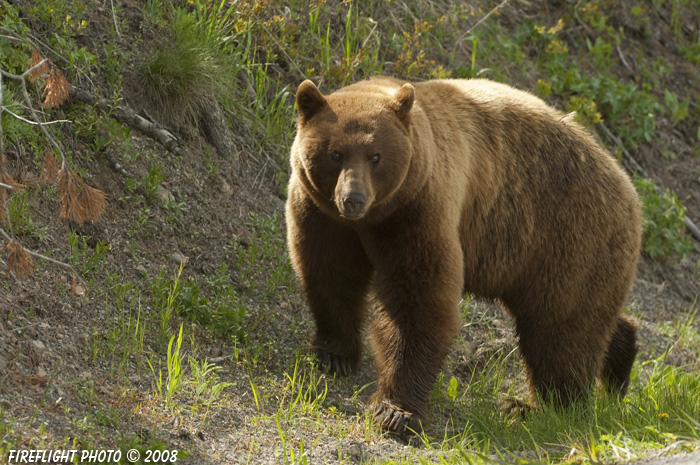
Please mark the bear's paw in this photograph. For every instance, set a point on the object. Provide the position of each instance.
(395, 420)
(335, 364)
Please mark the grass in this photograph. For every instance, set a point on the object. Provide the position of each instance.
(184, 68)
(223, 336)
(664, 230)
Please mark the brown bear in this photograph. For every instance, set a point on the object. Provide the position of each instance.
(403, 197)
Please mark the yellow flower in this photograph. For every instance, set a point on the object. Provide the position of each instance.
(558, 27)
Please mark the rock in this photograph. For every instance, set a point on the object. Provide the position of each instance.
(179, 258)
(165, 195)
(355, 451)
(167, 230)
(38, 346)
(225, 187)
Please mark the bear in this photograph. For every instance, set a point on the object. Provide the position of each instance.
(403, 197)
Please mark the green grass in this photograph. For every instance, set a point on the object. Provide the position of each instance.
(185, 68)
(19, 209)
(664, 229)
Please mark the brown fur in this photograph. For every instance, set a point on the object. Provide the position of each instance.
(478, 188)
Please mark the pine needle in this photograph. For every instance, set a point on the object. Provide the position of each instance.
(18, 260)
(41, 70)
(79, 201)
(49, 168)
(56, 88)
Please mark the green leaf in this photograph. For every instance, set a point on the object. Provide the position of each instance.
(453, 389)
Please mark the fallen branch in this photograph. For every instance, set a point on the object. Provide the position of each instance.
(692, 227)
(216, 131)
(128, 116)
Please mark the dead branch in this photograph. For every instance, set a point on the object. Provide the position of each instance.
(216, 131)
(624, 60)
(129, 117)
(636, 167)
(36, 123)
(45, 258)
(28, 101)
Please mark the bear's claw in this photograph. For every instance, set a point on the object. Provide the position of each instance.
(516, 409)
(334, 364)
(396, 421)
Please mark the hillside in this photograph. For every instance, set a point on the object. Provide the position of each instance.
(166, 316)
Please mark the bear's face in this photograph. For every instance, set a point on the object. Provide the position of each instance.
(353, 148)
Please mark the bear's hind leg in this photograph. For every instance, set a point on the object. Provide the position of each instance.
(620, 356)
(562, 361)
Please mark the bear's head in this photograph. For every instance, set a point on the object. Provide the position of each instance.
(353, 150)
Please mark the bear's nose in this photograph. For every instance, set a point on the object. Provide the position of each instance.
(354, 202)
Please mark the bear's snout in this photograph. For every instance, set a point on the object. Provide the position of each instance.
(354, 205)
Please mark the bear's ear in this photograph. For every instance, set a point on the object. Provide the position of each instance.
(309, 100)
(404, 100)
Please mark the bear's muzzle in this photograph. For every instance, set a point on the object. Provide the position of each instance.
(354, 205)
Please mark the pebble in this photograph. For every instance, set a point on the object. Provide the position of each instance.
(165, 195)
(38, 346)
(179, 258)
(225, 187)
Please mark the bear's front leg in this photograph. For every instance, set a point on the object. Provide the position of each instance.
(335, 274)
(417, 315)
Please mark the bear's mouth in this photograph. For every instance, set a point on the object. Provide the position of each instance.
(351, 216)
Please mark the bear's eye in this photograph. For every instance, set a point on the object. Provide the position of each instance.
(336, 156)
(375, 158)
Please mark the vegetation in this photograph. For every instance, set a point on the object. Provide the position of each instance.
(160, 311)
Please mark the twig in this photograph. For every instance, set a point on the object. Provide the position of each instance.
(580, 21)
(635, 166)
(18, 77)
(36, 123)
(692, 227)
(485, 17)
(114, 18)
(5, 186)
(28, 102)
(7, 331)
(481, 20)
(128, 116)
(289, 59)
(624, 60)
